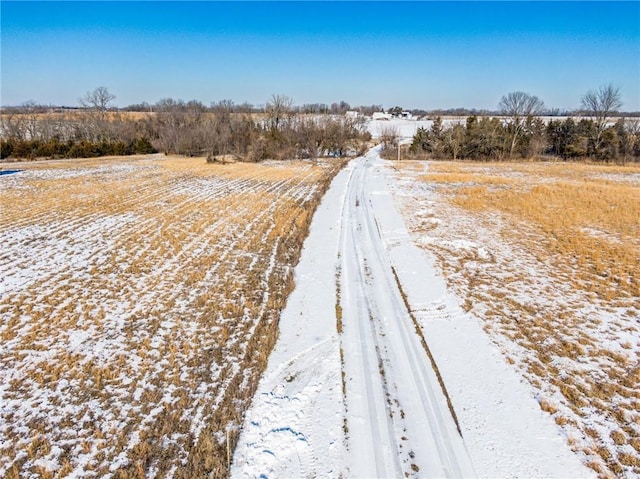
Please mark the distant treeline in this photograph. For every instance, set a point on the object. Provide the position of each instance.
(484, 138)
(336, 108)
(519, 132)
(465, 112)
(281, 130)
(177, 127)
(55, 148)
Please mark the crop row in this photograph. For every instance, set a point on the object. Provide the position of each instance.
(140, 304)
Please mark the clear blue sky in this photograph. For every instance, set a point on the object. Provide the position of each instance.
(413, 54)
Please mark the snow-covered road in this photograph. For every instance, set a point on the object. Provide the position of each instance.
(355, 386)
(398, 420)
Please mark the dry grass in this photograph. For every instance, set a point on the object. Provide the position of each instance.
(140, 304)
(586, 217)
(548, 256)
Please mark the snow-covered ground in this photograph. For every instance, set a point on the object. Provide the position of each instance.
(578, 349)
(131, 292)
(378, 372)
(405, 129)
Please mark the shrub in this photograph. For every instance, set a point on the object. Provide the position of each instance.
(6, 148)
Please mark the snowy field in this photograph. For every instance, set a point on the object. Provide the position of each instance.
(534, 341)
(140, 300)
(439, 326)
(547, 257)
(405, 129)
(339, 399)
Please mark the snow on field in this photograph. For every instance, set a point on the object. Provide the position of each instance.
(377, 369)
(137, 298)
(405, 128)
(579, 350)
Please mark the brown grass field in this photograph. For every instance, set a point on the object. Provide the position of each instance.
(140, 299)
(547, 255)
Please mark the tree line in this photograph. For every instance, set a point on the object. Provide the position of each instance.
(520, 133)
(278, 131)
(281, 130)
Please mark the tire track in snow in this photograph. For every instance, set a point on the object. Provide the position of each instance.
(397, 415)
(368, 413)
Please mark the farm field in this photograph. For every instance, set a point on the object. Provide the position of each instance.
(378, 370)
(141, 298)
(548, 257)
(140, 301)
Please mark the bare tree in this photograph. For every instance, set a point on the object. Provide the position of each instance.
(600, 104)
(390, 139)
(30, 112)
(98, 100)
(453, 139)
(517, 106)
(24, 122)
(278, 108)
(628, 133)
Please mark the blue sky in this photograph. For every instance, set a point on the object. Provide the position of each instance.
(412, 54)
